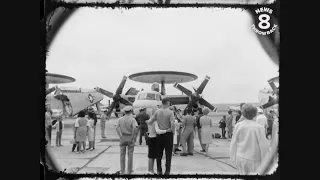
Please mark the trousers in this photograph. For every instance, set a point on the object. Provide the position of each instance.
(164, 142)
(48, 134)
(223, 132)
(58, 138)
(126, 143)
(143, 130)
(103, 129)
(187, 138)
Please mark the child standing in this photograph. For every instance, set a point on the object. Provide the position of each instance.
(91, 133)
(59, 128)
(76, 144)
(175, 136)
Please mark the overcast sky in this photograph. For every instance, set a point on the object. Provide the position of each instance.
(98, 47)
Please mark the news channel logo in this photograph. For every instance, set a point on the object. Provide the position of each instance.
(264, 23)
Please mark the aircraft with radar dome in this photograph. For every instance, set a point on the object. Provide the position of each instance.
(151, 99)
(66, 101)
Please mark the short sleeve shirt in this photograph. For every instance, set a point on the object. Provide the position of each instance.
(126, 124)
(164, 118)
(103, 118)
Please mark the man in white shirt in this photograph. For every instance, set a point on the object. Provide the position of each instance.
(59, 125)
(249, 145)
(103, 120)
(262, 119)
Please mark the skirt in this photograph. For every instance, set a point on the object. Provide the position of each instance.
(81, 134)
(206, 135)
(91, 134)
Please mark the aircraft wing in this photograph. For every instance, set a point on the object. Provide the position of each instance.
(178, 99)
(83, 100)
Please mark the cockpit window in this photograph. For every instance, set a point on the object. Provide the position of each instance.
(141, 96)
(151, 96)
(148, 96)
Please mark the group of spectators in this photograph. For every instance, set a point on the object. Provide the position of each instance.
(164, 131)
(84, 129)
(168, 127)
(249, 146)
(53, 122)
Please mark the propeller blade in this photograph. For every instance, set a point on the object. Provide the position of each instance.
(50, 90)
(272, 101)
(273, 86)
(120, 88)
(194, 89)
(113, 104)
(124, 100)
(183, 89)
(104, 92)
(208, 105)
(203, 85)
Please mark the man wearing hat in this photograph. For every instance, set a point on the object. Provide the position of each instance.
(103, 120)
(142, 117)
(126, 128)
(262, 119)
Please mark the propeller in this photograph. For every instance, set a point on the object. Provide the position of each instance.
(273, 86)
(203, 85)
(50, 90)
(183, 89)
(272, 101)
(117, 97)
(104, 92)
(195, 99)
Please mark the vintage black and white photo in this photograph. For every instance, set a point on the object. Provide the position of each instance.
(164, 91)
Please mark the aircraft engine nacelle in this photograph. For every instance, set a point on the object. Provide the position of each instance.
(58, 104)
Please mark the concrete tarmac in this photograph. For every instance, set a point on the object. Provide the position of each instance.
(106, 156)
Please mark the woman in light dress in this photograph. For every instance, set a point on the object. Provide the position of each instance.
(175, 136)
(249, 145)
(91, 132)
(206, 129)
(81, 130)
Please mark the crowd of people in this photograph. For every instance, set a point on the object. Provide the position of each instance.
(84, 129)
(248, 128)
(168, 128)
